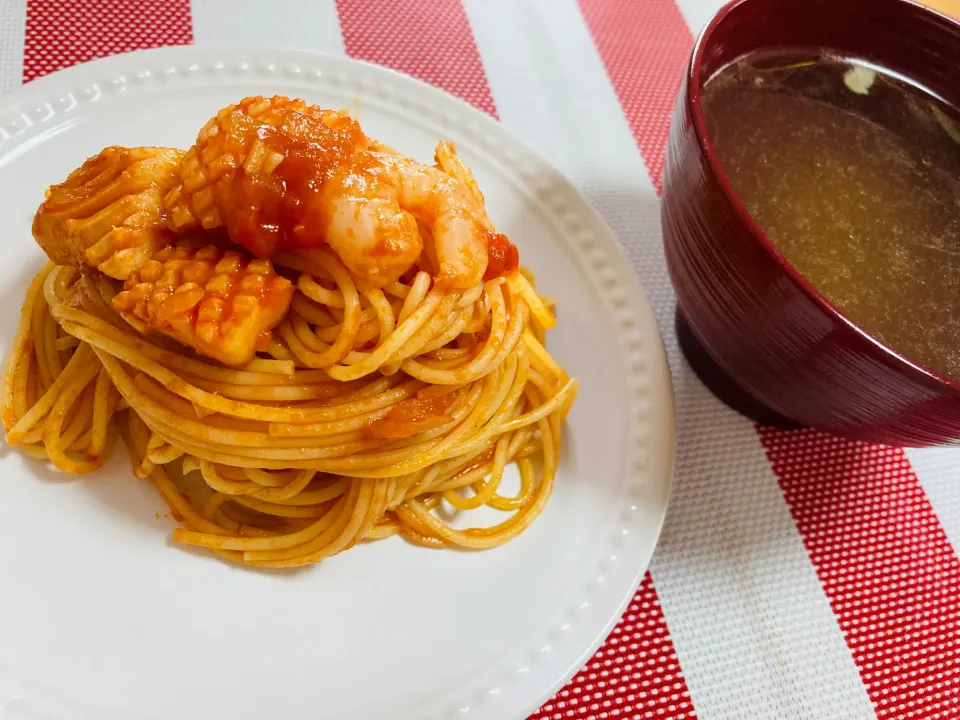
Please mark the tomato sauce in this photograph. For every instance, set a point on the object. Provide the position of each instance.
(502, 257)
(413, 416)
(271, 212)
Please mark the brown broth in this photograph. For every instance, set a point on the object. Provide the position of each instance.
(854, 174)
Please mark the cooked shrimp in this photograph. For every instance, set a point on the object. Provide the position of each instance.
(108, 212)
(502, 255)
(373, 205)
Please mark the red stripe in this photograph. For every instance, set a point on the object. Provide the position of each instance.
(64, 33)
(644, 46)
(886, 564)
(636, 672)
(431, 41)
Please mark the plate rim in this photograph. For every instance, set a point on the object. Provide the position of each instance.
(30, 106)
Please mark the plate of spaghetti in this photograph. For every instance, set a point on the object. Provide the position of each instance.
(326, 398)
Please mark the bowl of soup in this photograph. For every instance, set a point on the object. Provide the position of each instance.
(811, 216)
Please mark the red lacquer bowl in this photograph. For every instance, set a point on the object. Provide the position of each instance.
(755, 330)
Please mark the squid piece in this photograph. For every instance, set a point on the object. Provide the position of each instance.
(220, 302)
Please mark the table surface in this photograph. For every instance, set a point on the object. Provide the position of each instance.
(798, 575)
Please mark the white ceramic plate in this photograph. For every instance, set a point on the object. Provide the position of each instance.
(102, 617)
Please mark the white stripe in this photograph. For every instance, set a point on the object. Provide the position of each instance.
(291, 24)
(938, 470)
(752, 627)
(13, 23)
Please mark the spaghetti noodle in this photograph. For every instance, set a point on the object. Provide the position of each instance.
(398, 350)
(299, 464)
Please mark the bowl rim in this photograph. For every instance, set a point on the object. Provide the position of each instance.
(693, 100)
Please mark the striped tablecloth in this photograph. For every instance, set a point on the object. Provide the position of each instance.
(798, 576)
